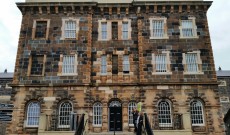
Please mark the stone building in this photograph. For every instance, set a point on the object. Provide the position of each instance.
(223, 77)
(102, 57)
(6, 107)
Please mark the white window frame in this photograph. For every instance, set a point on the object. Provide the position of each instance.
(222, 83)
(197, 110)
(65, 108)
(33, 114)
(193, 29)
(126, 63)
(131, 105)
(109, 29)
(164, 111)
(224, 99)
(103, 65)
(64, 29)
(167, 63)
(198, 62)
(97, 114)
(68, 67)
(162, 25)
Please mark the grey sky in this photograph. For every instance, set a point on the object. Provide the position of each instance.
(218, 18)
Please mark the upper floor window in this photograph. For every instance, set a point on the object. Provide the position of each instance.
(103, 65)
(197, 113)
(188, 28)
(40, 29)
(161, 63)
(114, 29)
(104, 30)
(64, 117)
(68, 64)
(126, 64)
(36, 65)
(131, 106)
(164, 114)
(70, 28)
(97, 114)
(125, 30)
(192, 63)
(33, 114)
(158, 27)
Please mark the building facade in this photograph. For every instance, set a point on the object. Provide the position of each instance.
(223, 77)
(6, 106)
(101, 58)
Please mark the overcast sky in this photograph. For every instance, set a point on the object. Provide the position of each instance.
(218, 18)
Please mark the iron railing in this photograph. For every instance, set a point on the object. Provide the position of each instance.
(57, 123)
(176, 123)
(147, 127)
(81, 126)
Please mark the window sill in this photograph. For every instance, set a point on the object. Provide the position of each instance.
(97, 126)
(28, 126)
(74, 74)
(103, 39)
(162, 73)
(194, 37)
(193, 73)
(35, 75)
(131, 125)
(166, 37)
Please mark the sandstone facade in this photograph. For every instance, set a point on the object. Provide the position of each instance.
(99, 47)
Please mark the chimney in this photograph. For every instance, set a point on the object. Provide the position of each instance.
(5, 71)
(219, 68)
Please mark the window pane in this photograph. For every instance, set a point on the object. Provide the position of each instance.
(130, 109)
(126, 65)
(69, 66)
(33, 114)
(191, 61)
(164, 114)
(65, 110)
(70, 29)
(97, 114)
(103, 65)
(161, 63)
(104, 30)
(41, 27)
(158, 28)
(125, 30)
(197, 113)
(187, 28)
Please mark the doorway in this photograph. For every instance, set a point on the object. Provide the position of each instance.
(115, 116)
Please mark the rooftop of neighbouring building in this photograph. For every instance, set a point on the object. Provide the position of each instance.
(6, 74)
(222, 73)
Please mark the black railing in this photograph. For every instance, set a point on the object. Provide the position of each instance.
(148, 128)
(81, 126)
(176, 123)
(60, 123)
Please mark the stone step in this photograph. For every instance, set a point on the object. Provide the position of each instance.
(112, 133)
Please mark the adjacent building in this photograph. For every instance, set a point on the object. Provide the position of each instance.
(102, 57)
(6, 106)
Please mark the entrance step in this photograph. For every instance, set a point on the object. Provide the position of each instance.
(112, 133)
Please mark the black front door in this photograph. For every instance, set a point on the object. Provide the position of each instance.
(115, 118)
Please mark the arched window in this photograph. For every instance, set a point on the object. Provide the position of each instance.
(131, 105)
(197, 113)
(33, 114)
(164, 114)
(97, 114)
(65, 111)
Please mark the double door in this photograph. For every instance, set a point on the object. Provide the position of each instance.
(115, 118)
